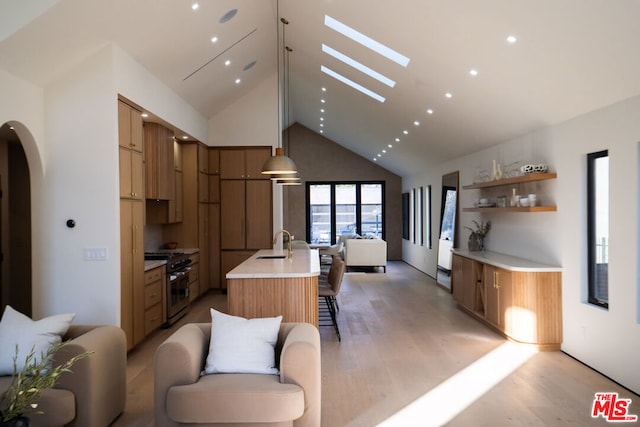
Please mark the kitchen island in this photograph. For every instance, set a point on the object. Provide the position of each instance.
(269, 284)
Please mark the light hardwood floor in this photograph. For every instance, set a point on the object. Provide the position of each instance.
(409, 356)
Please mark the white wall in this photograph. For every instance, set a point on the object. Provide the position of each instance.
(81, 183)
(607, 340)
(134, 82)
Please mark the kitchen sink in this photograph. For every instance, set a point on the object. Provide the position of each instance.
(271, 256)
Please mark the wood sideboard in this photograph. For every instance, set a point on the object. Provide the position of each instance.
(520, 299)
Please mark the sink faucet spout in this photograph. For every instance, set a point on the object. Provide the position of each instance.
(289, 248)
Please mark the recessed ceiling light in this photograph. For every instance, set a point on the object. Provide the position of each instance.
(238, 81)
(324, 89)
(397, 139)
(195, 6)
(322, 100)
(351, 83)
(145, 115)
(390, 145)
(214, 39)
(12, 128)
(384, 151)
(322, 119)
(375, 160)
(185, 137)
(473, 72)
(406, 132)
(322, 110)
(321, 125)
(429, 111)
(416, 123)
(227, 62)
(321, 131)
(357, 65)
(448, 95)
(512, 39)
(379, 155)
(228, 16)
(372, 44)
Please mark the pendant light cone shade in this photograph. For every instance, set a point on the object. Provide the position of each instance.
(286, 177)
(279, 164)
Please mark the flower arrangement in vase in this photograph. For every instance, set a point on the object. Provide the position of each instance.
(476, 238)
(38, 374)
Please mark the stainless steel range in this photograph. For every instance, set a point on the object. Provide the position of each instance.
(177, 283)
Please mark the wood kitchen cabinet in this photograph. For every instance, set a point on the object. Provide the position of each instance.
(132, 188)
(246, 214)
(498, 302)
(518, 298)
(169, 211)
(132, 270)
(243, 163)
(160, 162)
(131, 174)
(467, 282)
(154, 285)
(129, 127)
(246, 205)
(194, 277)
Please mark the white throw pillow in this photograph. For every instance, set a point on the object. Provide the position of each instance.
(240, 345)
(39, 335)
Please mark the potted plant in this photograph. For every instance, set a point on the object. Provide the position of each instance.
(21, 397)
(476, 238)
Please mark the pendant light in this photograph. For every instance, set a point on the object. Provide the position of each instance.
(280, 164)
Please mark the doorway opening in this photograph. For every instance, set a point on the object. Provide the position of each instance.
(448, 227)
(15, 224)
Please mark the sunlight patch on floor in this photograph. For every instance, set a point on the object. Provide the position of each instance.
(441, 404)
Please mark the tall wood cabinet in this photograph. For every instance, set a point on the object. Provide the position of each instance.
(246, 206)
(519, 298)
(131, 223)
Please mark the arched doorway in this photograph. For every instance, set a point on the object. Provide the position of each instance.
(15, 223)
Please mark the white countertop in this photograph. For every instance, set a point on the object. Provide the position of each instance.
(155, 263)
(304, 263)
(508, 262)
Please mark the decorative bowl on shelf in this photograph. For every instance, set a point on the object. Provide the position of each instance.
(533, 168)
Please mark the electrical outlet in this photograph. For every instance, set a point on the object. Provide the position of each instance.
(95, 254)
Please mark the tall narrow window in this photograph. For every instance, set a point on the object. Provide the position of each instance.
(337, 208)
(320, 201)
(598, 227)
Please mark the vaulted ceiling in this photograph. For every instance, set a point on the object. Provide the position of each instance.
(569, 57)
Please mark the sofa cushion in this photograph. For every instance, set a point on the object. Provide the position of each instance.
(58, 406)
(240, 345)
(238, 398)
(39, 336)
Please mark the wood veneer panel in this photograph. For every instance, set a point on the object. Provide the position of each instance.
(296, 299)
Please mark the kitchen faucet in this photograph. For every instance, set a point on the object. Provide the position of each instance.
(289, 248)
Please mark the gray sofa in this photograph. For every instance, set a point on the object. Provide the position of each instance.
(94, 393)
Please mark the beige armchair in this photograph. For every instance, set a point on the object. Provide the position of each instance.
(184, 397)
(94, 393)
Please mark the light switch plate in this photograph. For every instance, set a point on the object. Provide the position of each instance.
(95, 254)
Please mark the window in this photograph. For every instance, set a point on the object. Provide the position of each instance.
(598, 227)
(338, 208)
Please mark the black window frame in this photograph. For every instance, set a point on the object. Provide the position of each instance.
(591, 230)
(333, 185)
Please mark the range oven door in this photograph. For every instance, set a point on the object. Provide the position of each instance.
(177, 295)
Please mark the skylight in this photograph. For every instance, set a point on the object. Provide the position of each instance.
(358, 66)
(351, 83)
(366, 41)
